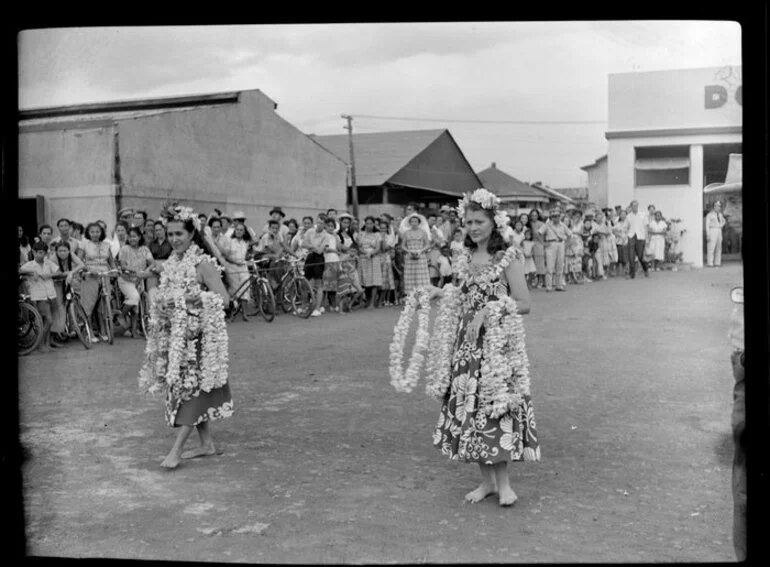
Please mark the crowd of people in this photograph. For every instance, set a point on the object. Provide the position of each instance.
(374, 261)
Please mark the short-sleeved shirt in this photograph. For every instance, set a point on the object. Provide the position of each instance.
(331, 254)
(74, 244)
(554, 232)
(40, 290)
(96, 255)
(160, 250)
(135, 259)
(314, 239)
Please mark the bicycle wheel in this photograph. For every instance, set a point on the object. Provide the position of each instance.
(266, 301)
(30, 328)
(105, 318)
(251, 307)
(286, 293)
(144, 314)
(302, 297)
(79, 321)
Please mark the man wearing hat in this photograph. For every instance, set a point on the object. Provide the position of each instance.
(555, 234)
(715, 222)
(239, 217)
(448, 226)
(276, 214)
(126, 215)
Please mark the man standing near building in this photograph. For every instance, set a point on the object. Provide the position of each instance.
(447, 228)
(715, 222)
(276, 214)
(637, 236)
(126, 215)
(555, 234)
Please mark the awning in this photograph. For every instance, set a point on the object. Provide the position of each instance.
(663, 163)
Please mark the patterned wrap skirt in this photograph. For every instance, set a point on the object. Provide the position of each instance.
(386, 266)
(371, 272)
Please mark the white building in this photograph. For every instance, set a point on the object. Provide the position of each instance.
(670, 134)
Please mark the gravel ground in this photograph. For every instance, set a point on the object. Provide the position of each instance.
(324, 462)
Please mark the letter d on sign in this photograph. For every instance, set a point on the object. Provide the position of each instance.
(716, 96)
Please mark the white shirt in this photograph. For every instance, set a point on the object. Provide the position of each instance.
(230, 230)
(636, 225)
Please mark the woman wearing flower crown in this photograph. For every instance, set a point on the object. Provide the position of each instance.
(187, 347)
(486, 415)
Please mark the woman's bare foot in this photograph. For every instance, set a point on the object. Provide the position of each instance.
(204, 451)
(507, 496)
(481, 492)
(170, 462)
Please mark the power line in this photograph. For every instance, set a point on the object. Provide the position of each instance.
(534, 122)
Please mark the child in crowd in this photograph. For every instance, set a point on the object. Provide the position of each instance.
(575, 257)
(445, 266)
(40, 273)
(586, 236)
(529, 261)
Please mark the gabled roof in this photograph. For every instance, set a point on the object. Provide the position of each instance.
(555, 194)
(504, 185)
(574, 192)
(379, 156)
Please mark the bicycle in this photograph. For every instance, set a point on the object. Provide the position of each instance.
(30, 325)
(107, 298)
(294, 291)
(143, 307)
(262, 299)
(75, 319)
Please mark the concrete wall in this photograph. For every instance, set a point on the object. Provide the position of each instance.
(240, 156)
(598, 188)
(674, 99)
(679, 201)
(71, 170)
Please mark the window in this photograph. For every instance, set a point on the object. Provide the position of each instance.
(662, 165)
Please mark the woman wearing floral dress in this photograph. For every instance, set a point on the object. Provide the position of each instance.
(416, 246)
(370, 246)
(386, 262)
(187, 313)
(465, 432)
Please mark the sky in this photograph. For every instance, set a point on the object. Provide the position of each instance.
(495, 73)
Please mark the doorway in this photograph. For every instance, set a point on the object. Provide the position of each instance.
(30, 215)
(716, 158)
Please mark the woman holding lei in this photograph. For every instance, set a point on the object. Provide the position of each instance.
(486, 415)
(187, 347)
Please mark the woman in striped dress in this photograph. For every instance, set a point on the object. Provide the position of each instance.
(416, 245)
(386, 260)
(370, 247)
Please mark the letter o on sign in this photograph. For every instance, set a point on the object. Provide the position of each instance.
(739, 95)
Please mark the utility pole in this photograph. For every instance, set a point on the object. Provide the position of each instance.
(354, 188)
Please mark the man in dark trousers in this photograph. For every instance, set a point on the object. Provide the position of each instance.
(637, 236)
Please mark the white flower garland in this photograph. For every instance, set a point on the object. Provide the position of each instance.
(178, 332)
(439, 366)
(405, 382)
(487, 200)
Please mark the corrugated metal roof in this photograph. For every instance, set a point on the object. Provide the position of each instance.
(380, 155)
(505, 185)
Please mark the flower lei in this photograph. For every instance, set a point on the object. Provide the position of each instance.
(439, 365)
(487, 200)
(405, 382)
(187, 346)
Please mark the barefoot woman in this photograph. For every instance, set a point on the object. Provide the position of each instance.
(469, 428)
(187, 348)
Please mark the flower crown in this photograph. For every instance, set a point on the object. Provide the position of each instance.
(487, 200)
(174, 211)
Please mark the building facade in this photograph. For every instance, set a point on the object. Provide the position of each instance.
(598, 189)
(670, 134)
(231, 151)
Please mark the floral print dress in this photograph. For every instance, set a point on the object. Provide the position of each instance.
(464, 432)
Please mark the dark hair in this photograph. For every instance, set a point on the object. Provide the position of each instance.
(432, 214)
(374, 220)
(62, 267)
(539, 213)
(143, 213)
(124, 224)
(292, 221)
(40, 246)
(212, 220)
(77, 226)
(330, 210)
(43, 227)
(197, 237)
(495, 242)
(273, 222)
(68, 221)
(23, 241)
(307, 218)
(202, 215)
(330, 222)
(102, 234)
(161, 223)
(138, 231)
(456, 230)
(62, 244)
(246, 232)
(225, 217)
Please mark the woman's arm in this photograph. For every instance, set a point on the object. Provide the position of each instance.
(212, 281)
(517, 284)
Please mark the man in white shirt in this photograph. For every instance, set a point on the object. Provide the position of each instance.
(715, 222)
(277, 215)
(637, 234)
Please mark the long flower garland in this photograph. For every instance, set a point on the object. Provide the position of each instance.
(405, 382)
(187, 346)
(504, 376)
